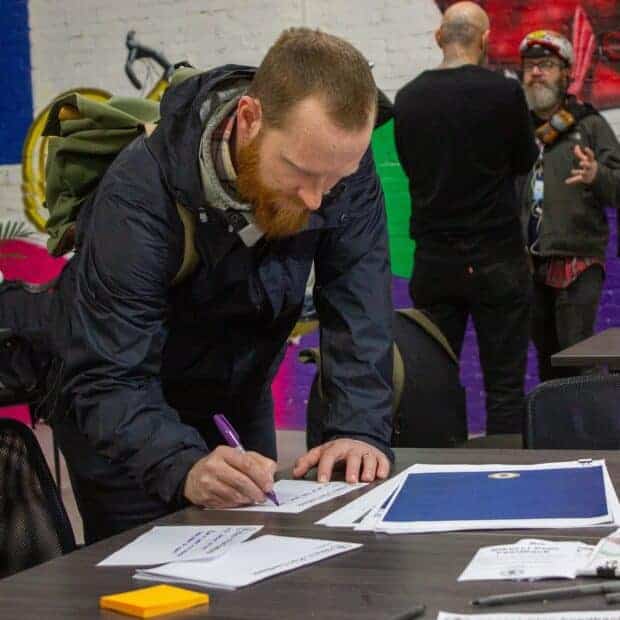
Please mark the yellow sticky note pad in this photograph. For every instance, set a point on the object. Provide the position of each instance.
(153, 601)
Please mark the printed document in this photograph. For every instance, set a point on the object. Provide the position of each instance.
(180, 543)
(528, 558)
(436, 498)
(249, 562)
(295, 496)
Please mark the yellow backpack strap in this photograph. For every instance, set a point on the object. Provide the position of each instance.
(398, 380)
(190, 254)
(430, 328)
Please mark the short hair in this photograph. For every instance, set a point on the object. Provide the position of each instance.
(304, 63)
(459, 31)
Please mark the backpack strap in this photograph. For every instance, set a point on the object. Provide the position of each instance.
(313, 356)
(430, 328)
(190, 254)
(398, 381)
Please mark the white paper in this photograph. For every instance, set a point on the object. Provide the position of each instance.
(350, 514)
(249, 562)
(605, 557)
(295, 496)
(447, 526)
(527, 559)
(180, 543)
(557, 615)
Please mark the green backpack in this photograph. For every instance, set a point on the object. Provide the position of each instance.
(85, 136)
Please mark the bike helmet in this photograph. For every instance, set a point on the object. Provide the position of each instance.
(542, 43)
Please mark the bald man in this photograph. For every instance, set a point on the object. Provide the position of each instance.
(462, 134)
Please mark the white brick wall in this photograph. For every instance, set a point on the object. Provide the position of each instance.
(81, 42)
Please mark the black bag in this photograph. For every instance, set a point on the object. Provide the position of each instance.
(429, 400)
(29, 370)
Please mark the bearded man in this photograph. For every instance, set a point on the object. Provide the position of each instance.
(576, 175)
(275, 165)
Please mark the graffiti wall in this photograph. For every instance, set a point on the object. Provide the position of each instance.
(49, 46)
(593, 26)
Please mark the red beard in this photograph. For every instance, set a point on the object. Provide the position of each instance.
(277, 215)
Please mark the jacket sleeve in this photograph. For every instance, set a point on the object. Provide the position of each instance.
(524, 148)
(354, 304)
(606, 186)
(118, 333)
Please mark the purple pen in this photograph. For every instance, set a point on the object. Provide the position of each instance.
(231, 437)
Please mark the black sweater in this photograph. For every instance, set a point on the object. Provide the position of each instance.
(462, 135)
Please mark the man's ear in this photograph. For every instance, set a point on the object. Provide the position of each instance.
(249, 119)
(485, 39)
(438, 37)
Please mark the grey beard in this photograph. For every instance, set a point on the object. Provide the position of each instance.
(543, 97)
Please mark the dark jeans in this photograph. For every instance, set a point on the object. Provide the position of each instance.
(111, 501)
(564, 317)
(497, 296)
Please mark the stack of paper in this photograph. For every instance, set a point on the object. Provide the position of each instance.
(249, 562)
(439, 498)
(180, 543)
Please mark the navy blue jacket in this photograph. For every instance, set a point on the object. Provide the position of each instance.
(137, 343)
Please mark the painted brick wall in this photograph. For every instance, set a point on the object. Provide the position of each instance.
(81, 43)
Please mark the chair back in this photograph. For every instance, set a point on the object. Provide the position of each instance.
(34, 526)
(574, 413)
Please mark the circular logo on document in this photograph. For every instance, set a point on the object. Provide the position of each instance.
(504, 475)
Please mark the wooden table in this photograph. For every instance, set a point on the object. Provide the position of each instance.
(602, 349)
(385, 577)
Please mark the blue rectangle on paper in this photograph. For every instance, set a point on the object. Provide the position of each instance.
(569, 493)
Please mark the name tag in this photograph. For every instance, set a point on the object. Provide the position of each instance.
(539, 190)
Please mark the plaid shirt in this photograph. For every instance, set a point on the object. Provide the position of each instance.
(563, 271)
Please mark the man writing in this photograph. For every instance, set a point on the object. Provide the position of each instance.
(462, 135)
(275, 165)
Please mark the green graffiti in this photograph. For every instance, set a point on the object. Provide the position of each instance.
(395, 187)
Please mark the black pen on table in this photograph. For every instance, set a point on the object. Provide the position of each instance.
(548, 594)
(232, 439)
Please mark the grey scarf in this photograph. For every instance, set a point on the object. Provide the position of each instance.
(215, 109)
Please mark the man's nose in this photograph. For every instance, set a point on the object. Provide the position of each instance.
(311, 196)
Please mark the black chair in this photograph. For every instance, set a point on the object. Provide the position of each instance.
(574, 413)
(34, 526)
